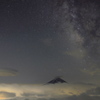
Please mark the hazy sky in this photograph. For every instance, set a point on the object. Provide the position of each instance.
(42, 39)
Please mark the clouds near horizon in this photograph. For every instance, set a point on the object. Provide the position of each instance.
(8, 72)
(50, 92)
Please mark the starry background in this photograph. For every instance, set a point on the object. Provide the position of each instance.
(42, 39)
(25, 28)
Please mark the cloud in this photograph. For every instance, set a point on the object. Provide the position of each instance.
(93, 70)
(83, 97)
(50, 92)
(6, 95)
(91, 94)
(94, 92)
(28, 94)
(76, 53)
(56, 91)
(35, 95)
(8, 72)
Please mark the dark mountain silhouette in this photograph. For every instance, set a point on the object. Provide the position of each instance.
(56, 80)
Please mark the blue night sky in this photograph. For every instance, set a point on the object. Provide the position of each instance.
(42, 39)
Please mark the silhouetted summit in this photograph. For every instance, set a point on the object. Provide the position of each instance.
(56, 80)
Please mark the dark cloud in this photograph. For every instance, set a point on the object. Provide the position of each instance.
(28, 94)
(94, 92)
(42, 99)
(83, 97)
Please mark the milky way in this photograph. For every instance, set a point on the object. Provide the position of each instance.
(78, 28)
(42, 39)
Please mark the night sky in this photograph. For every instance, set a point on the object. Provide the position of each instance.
(42, 39)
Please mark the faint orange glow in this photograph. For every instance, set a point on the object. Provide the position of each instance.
(2, 98)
